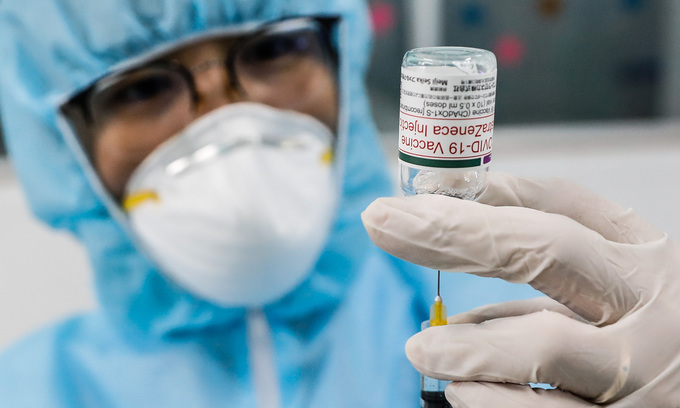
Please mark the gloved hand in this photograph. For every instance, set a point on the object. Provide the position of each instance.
(610, 335)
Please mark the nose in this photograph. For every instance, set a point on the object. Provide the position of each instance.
(214, 86)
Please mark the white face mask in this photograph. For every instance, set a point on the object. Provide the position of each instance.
(237, 208)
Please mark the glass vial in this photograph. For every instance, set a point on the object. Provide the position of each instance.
(446, 120)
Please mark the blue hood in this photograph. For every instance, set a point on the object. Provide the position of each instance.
(53, 48)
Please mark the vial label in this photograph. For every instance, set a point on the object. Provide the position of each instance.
(446, 120)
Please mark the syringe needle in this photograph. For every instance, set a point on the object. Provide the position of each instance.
(438, 310)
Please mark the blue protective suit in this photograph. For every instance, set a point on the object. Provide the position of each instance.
(336, 340)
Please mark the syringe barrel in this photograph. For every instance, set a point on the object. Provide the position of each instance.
(432, 389)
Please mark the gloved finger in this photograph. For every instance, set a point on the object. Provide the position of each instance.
(568, 262)
(559, 196)
(543, 347)
(511, 309)
(484, 394)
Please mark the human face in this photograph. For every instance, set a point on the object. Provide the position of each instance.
(286, 66)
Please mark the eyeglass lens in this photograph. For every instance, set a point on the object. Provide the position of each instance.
(272, 67)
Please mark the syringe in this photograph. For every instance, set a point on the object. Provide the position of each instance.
(432, 389)
(438, 309)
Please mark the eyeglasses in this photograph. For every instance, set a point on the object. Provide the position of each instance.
(263, 66)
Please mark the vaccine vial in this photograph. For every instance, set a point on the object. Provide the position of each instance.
(446, 120)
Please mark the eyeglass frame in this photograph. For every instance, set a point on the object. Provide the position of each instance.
(78, 108)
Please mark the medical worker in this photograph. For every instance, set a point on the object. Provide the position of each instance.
(609, 337)
(213, 156)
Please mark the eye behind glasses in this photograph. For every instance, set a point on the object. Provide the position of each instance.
(144, 92)
(302, 41)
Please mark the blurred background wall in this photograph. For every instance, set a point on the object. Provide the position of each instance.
(558, 60)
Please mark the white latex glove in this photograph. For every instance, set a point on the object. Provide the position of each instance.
(615, 344)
